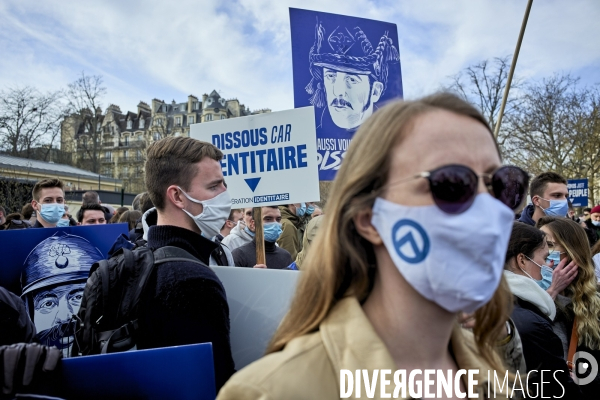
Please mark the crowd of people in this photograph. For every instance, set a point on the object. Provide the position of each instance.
(425, 259)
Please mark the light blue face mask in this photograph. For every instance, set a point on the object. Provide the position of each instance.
(272, 231)
(546, 280)
(302, 210)
(63, 223)
(596, 223)
(310, 210)
(52, 213)
(249, 232)
(554, 256)
(558, 208)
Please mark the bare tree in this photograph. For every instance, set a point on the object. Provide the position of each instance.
(28, 119)
(84, 97)
(482, 85)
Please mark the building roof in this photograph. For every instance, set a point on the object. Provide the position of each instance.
(19, 163)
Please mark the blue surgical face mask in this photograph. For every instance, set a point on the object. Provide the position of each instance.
(52, 213)
(596, 223)
(249, 232)
(272, 231)
(301, 210)
(557, 208)
(310, 210)
(554, 256)
(546, 271)
(63, 222)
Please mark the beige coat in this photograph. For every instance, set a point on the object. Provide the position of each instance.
(309, 366)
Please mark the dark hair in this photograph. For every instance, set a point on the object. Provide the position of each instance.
(136, 201)
(540, 182)
(45, 184)
(524, 239)
(587, 209)
(275, 207)
(171, 161)
(90, 197)
(27, 210)
(131, 217)
(118, 212)
(86, 207)
(233, 211)
(145, 202)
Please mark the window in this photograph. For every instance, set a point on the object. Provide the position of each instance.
(98, 127)
(222, 101)
(86, 128)
(125, 140)
(129, 124)
(196, 105)
(125, 171)
(157, 136)
(158, 122)
(178, 121)
(141, 123)
(126, 154)
(191, 120)
(108, 156)
(138, 155)
(208, 117)
(223, 117)
(139, 137)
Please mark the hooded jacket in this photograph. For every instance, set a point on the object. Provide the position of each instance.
(533, 313)
(237, 237)
(527, 215)
(289, 239)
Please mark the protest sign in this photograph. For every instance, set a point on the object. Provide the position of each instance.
(269, 159)
(578, 192)
(48, 268)
(346, 68)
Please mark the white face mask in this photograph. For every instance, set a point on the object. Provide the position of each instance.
(455, 261)
(214, 214)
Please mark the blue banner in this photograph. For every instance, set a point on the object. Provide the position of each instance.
(346, 68)
(48, 268)
(578, 192)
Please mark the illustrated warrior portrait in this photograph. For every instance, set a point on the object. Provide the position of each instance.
(53, 279)
(348, 76)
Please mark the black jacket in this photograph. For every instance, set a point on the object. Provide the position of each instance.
(185, 303)
(276, 257)
(543, 350)
(595, 229)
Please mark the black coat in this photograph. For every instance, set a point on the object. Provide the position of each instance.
(185, 303)
(543, 350)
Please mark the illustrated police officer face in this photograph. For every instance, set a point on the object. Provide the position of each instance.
(350, 97)
(56, 305)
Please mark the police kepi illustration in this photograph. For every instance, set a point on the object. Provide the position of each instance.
(53, 280)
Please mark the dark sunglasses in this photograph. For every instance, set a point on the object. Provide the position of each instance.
(454, 187)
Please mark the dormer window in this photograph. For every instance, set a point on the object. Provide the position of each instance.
(222, 101)
(190, 120)
(209, 101)
(178, 121)
(129, 124)
(86, 127)
(141, 123)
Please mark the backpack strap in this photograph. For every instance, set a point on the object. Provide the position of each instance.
(105, 278)
(172, 253)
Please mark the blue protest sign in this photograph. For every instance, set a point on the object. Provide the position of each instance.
(578, 192)
(48, 268)
(181, 372)
(346, 68)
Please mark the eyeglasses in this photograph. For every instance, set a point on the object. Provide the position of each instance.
(454, 187)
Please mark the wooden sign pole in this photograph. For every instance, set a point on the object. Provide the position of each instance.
(259, 236)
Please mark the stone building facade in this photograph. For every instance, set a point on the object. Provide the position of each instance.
(114, 143)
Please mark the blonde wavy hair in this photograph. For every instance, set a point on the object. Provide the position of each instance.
(583, 290)
(341, 262)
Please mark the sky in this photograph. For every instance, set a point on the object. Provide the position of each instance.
(241, 48)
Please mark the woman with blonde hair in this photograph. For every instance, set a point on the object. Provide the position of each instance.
(416, 231)
(578, 311)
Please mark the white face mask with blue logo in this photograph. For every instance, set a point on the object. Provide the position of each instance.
(455, 261)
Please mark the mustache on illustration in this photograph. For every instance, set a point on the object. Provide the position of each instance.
(59, 335)
(338, 102)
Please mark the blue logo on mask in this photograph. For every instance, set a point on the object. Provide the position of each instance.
(410, 241)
